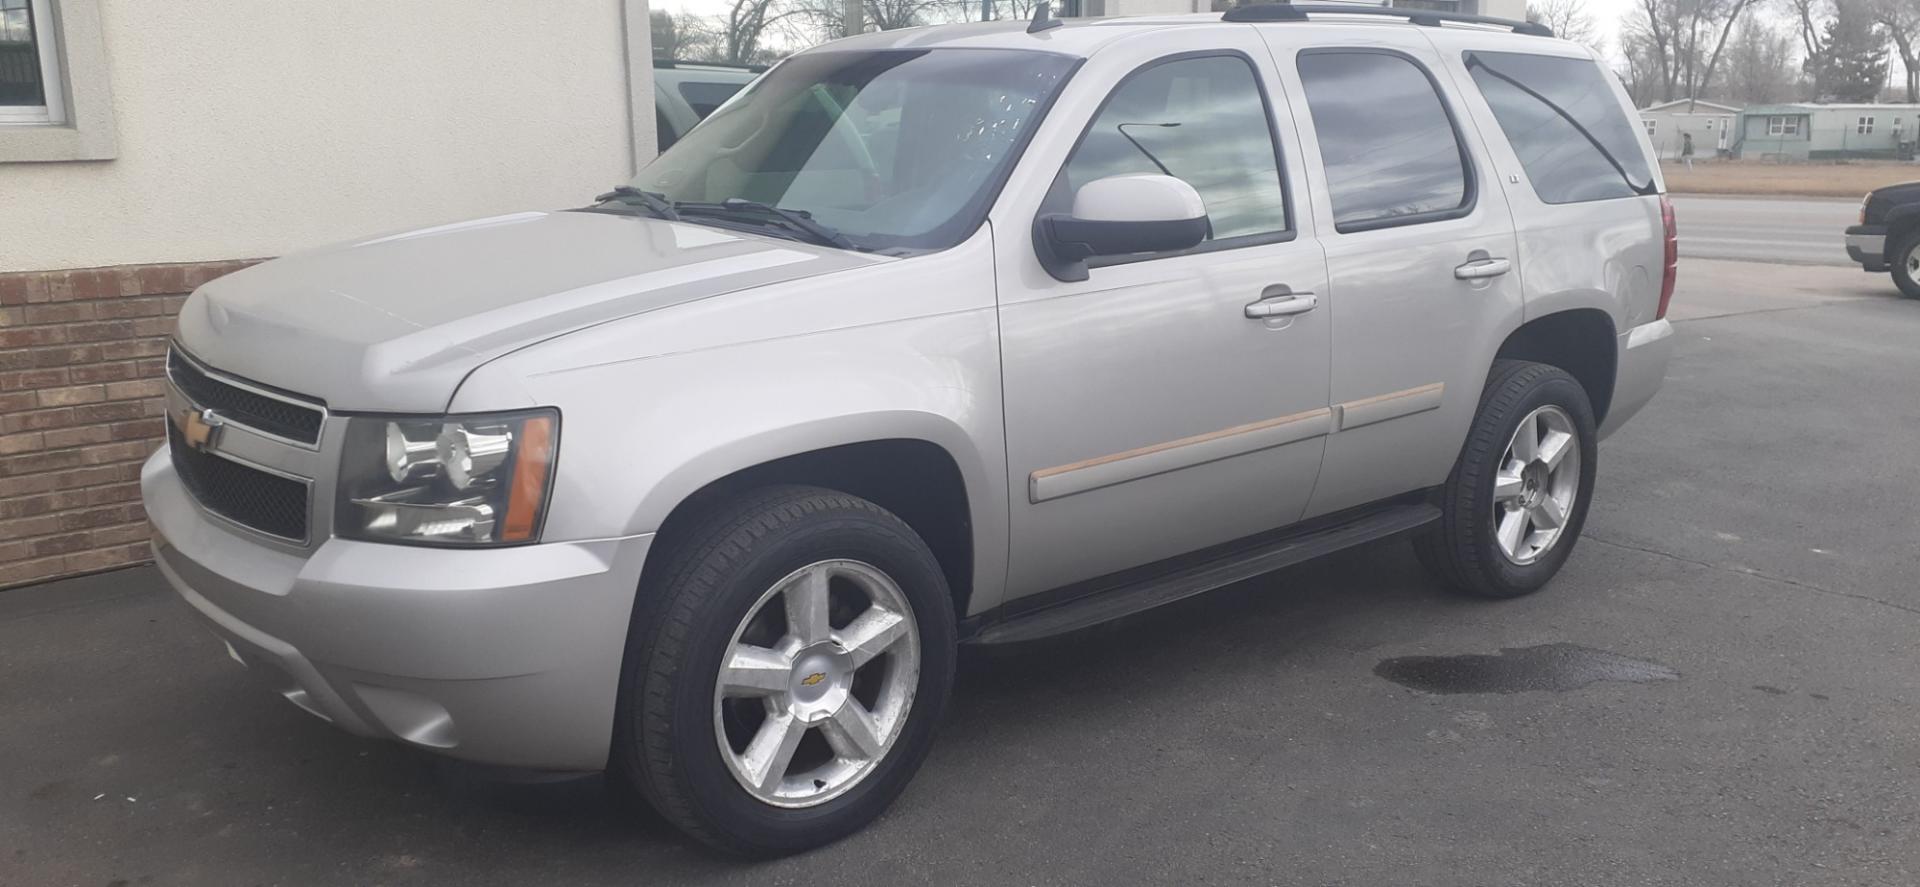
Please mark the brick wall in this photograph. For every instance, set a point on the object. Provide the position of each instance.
(81, 406)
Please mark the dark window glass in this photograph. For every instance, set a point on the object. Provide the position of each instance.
(704, 97)
(663, 130)
(1385, 139)
(901, 150)
(1563, 165)
(19, 56)
(1201, 120)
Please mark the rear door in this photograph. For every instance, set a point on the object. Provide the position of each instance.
(1419, 245)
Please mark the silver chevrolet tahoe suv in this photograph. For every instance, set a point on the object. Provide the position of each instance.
(974, 334)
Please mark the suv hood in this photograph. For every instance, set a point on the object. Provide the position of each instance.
(396, 322)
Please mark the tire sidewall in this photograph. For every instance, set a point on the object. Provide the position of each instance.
(709, 783)
(1558, 390)
(1897, 264)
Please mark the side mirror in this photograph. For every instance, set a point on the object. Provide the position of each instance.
(1119, 216)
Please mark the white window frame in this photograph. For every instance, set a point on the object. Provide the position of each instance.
(76, 123)
(1650, 125)
(1863, 126)
(54, 111)
(1783, 125)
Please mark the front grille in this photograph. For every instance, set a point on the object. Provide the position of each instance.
(247, 496)
(274, 415)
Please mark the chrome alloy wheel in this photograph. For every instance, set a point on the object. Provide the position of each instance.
(816, 683)
(1538, 481)
(1912, 259)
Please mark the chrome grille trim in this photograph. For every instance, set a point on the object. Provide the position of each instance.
(175, 352)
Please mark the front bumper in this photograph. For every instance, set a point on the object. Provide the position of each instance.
(1867, 245)
(505, 656)
(1642, 366)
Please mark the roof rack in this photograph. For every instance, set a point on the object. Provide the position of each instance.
(1298, 12)
(667, 64)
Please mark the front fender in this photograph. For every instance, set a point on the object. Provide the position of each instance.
(656, 407)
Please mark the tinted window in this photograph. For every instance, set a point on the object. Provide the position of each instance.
(1202, 120)
(19, 55)
(1385, 139)
(1533, 97)
(663, 130)
(901, 150)
(703, 98)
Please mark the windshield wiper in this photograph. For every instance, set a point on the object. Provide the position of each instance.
(647, 200)
(1648, 188)
(795, 221)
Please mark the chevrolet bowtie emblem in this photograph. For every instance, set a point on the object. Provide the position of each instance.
(814, 678)
(199, 429)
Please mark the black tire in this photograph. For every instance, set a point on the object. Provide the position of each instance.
(1460, 549)
(713, 569)
(1896, 260)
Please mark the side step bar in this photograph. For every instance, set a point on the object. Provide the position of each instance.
(1128, 593)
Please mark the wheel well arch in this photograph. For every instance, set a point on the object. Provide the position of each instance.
(1581, 341)
(917, 480)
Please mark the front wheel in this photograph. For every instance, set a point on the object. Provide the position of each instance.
(1517, 498)
(786, 669)
(1903, 262)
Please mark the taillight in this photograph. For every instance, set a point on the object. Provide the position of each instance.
(1672, 263)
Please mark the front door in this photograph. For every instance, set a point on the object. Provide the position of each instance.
(1150, 409)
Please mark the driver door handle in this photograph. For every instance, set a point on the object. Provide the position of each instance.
(1482, 268)
(1284, 305)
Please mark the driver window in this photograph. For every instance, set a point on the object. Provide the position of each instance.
(1202, 120)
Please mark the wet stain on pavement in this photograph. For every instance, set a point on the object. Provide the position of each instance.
(1551, 667)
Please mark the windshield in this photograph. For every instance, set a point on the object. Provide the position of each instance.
(901, 151)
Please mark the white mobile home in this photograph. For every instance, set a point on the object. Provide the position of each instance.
(1711, 125)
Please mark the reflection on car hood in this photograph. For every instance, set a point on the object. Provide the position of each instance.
(396, 322)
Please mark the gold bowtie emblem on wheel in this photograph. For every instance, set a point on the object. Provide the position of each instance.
(199, 429)
(814, 678)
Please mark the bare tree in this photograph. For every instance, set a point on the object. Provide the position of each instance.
(1901, 20)
(1567, 18)
(1760, 64)
(744, 30)
(890, 15)
(1675, 46)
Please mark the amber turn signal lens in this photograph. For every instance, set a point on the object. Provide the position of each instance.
(531, 465)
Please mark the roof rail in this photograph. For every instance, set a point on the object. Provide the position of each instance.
(668, 64)
(1298, 12)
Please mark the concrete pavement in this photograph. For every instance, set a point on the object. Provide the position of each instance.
(1753, 532)
(1801, 230)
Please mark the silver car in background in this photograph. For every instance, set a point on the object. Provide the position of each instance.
(970, 334)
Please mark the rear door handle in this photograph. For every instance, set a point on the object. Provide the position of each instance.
(1482, 268)
(1283, 305)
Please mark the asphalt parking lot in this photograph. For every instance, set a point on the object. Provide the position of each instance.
(1747, 583)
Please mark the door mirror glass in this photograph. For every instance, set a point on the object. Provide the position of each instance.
(1120, 216)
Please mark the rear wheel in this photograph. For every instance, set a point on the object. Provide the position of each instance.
(1903, 261)
(1517, 498)
(786, 671)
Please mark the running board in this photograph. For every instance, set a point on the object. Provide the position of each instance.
(1129, 592)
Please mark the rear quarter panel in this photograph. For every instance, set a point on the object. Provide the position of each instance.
(1603, 254)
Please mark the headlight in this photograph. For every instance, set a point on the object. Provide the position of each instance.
(451, 480)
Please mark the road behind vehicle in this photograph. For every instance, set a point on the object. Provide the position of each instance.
(970, 334)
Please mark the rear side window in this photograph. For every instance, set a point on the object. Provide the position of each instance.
(1565, 124)
(1202, 120)
(1386, 140)
(704, 97)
